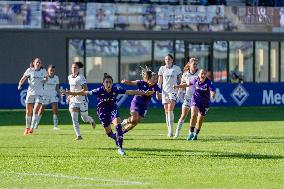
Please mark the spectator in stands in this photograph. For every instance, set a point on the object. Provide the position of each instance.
(236, 78)
(150, 18)
(216, 2)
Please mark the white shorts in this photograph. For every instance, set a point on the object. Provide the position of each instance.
(33, 99)
(49, 100)
(169, 97)
(186, 102)
(82, 106)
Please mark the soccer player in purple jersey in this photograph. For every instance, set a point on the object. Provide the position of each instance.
(107, 107)
(140, 104)
(204, 89)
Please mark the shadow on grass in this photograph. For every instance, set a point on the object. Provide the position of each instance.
(153, 153)
(160, 153)
(235, 139)
(243, 139)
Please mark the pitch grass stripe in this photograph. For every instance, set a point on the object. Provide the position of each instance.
(119, 182)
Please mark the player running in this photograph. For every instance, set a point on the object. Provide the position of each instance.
(190, 71)
(169, 75)
(107, 109)
(204, 89)
(36, 76)
(140, 104)
(78, 104)
(50, 96)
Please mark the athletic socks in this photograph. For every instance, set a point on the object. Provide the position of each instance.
(119, 135)
(28, 121)
(179, 126)
(171, 123)
(111, 135)
(86, 118)
(38, 121)
(34, 121)
(75, 122)
(167, 119)
(124, 131)
(197, 131)
(55, 120)
(191, 129)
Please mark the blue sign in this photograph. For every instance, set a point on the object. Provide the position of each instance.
(227, 94)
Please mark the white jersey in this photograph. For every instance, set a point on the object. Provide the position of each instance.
(36, 81)
(50, 86)
(170, 78)
(76, 86)
(186, 78)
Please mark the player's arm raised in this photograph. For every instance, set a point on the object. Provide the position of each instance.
(81, 93)
(184, 85)
(135, 92)
(127, 82)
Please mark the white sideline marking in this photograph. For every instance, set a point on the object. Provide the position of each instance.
(115, 182)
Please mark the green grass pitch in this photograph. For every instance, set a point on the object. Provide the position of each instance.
(237, 148)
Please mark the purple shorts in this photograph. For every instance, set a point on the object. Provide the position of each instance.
(203, 109)
(106, 117)
(136, 107)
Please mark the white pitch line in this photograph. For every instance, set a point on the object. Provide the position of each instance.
(116, 182)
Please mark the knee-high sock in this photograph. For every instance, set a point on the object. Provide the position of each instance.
(197, 131)
(86, 118)
(38, 121)
(179, 125)
(55, 120)
(34, 120)
(28, 121)
(111, 135)
(171, 121)
(191, 129)
(119, 135)
(167, 118)
(75, 122)
(125, 131)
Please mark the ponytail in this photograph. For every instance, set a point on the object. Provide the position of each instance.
(79, 64)
(106, 76)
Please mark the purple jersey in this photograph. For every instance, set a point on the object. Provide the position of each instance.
(107, 99)
(201, 94)
(107, 107)
(144, 86)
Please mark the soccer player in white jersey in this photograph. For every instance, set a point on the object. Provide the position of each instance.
(78, 104)
(50, 96)
(190, 71)
(169, 75)
(36, 76)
